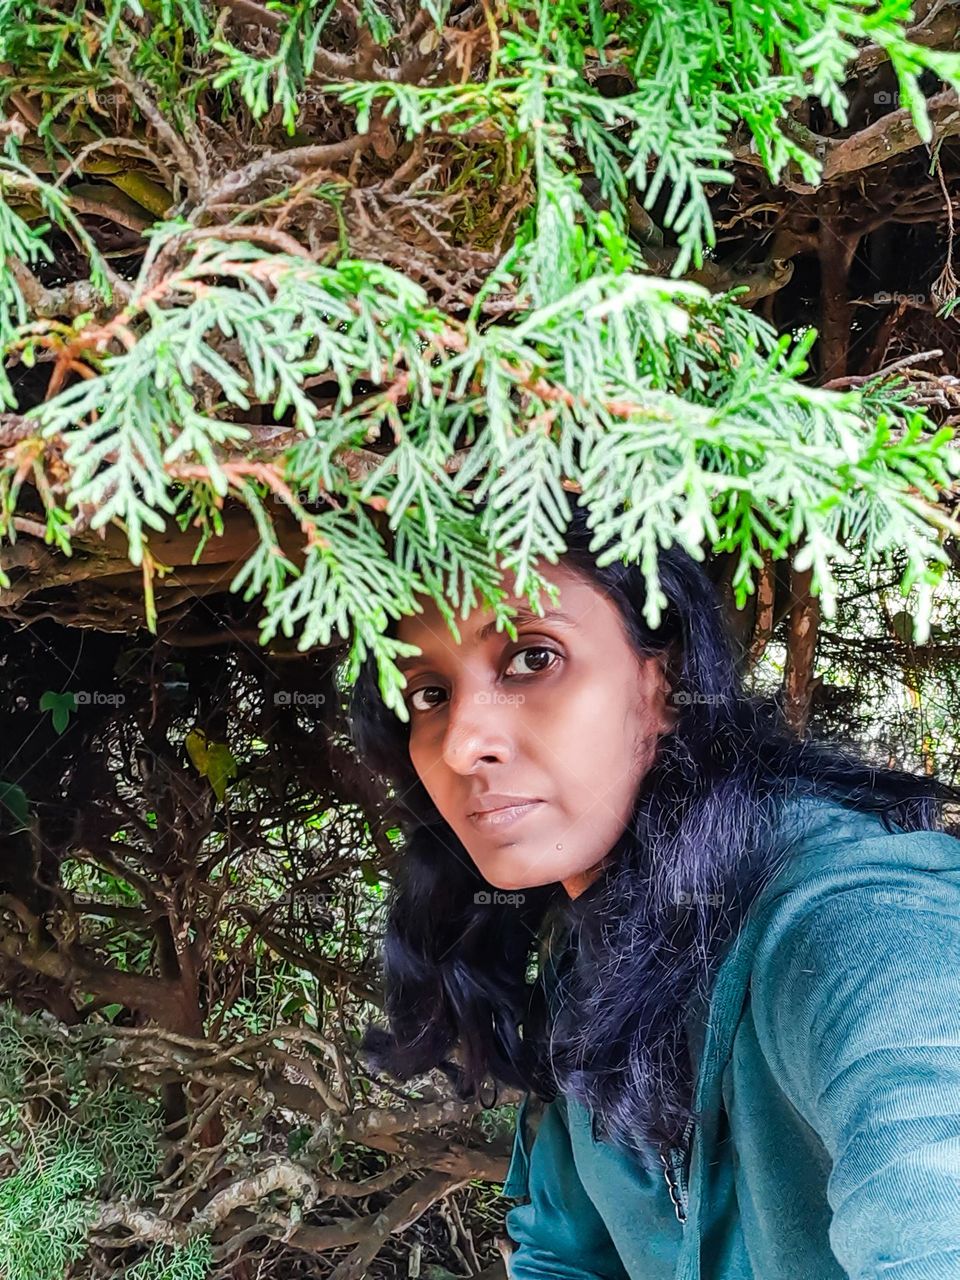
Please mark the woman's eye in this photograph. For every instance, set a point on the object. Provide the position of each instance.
(536, 649)
(429, 688)
(538, 658)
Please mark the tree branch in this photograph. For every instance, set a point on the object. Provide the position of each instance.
(938, 30)
(890, 136)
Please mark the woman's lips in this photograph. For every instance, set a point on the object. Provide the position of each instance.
(504, 817)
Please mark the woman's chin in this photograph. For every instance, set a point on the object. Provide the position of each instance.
(515, 883)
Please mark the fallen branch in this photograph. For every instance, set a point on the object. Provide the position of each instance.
(892, 135)
(402, 1213)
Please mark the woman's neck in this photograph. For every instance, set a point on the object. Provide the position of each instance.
(575, 885)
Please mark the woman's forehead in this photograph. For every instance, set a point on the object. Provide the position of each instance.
(575, 606)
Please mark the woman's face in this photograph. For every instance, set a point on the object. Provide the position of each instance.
(560, 726)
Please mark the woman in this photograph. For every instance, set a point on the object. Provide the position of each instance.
(743, 1035)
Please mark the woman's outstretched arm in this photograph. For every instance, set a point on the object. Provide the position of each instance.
(857, 1008)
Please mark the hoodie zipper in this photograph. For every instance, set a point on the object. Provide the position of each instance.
(674, 1171)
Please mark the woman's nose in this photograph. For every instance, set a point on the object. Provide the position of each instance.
(478, 730)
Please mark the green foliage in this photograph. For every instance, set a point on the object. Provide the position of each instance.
(611, 381)
(747, 455)
(62, 49)
(105, 1126)
(695, 77)
(94, 1143)
(212, 760)
(19, 240)
(279, 79)
(60, 705)
(46, 1209)
(14, 806)
(182, 1262)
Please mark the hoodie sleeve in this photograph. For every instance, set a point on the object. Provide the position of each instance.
(857, 1006)
(559, 1232)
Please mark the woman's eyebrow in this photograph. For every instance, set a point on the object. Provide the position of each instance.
(523, 615)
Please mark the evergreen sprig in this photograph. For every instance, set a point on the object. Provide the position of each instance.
(97, 1141)
(631, 388)
(625, 386)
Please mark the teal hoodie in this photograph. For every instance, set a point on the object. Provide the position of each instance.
(828, 1076)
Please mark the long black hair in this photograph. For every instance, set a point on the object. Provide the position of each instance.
(463, 963)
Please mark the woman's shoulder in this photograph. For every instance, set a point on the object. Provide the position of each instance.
(845, 879)
(824, 846)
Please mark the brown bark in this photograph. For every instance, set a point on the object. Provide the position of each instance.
(835, 250)
(802, 628)
(763, 624)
